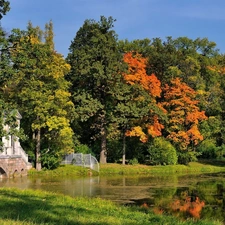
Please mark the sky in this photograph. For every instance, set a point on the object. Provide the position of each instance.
(135, 19)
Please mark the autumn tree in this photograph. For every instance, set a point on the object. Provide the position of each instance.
(150, 83)
(184, 115)
(38, 87)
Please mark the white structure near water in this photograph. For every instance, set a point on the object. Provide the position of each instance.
(11, 144)
(79, 159)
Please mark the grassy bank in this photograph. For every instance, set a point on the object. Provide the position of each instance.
(30, 207)
(112, 169)
(192, 168)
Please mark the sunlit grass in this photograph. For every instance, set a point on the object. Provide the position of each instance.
(113, 168)
(64, 170)
(29, 207)
(192, 168)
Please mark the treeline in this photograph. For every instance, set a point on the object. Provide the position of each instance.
(141, 101)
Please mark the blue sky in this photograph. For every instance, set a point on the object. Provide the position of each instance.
(136, 19)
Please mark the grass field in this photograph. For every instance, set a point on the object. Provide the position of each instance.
(28, 207)
(37, 207)
(113, 168)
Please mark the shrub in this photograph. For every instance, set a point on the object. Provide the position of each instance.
(133, 161)
(162, 152)
(50, 159)
(208, 149)
(185, 156)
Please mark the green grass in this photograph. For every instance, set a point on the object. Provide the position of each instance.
(192, 168)
(64, 170)
(113, 168)
(29, 207)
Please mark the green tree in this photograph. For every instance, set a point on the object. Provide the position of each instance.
(4, 8)
(161, 151)
(38, 87)
(7, 110)
(96, 69)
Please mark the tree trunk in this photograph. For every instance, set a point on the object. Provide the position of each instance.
(124, 149)
(38, 150)
(103, 153)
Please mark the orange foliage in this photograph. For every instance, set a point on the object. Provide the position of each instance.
(217, 69)
(193, 208)
(158, 210)
(183, 113)
(137, 74)
(155, 129)
(145, 205)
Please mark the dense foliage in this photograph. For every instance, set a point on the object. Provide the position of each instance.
(118, 99)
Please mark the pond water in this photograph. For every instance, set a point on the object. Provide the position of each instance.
(201, 196)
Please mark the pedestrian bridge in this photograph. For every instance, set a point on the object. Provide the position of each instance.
(13, 166)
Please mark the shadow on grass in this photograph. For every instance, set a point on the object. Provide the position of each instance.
(43, 209)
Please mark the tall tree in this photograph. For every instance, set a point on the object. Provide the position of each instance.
(150, 83)
(7, 110)
(184, 115)
(40, 90)
(96, 68)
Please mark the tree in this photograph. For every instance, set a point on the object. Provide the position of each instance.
(7, 110)
(4, 8)
(183, 115)
(96, 68)
(38, 87)
(150, 83)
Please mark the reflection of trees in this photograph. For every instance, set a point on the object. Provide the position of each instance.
(206, 200)
(187, 205)
(180, 202)
(214, 197)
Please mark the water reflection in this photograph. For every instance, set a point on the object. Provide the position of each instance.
(201, 196)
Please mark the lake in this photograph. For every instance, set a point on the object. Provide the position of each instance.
(199, 196)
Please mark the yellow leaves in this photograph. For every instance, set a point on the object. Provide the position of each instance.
(61, 126)
(137, 132)
(34, 40)
(55, 122)
(66, 139)
(62, 94)
(58, 67)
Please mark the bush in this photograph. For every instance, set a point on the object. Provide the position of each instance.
(208, 149)
(133, 161)
(220, 152)
(50, 159)
(162, 152)
(185, 156)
